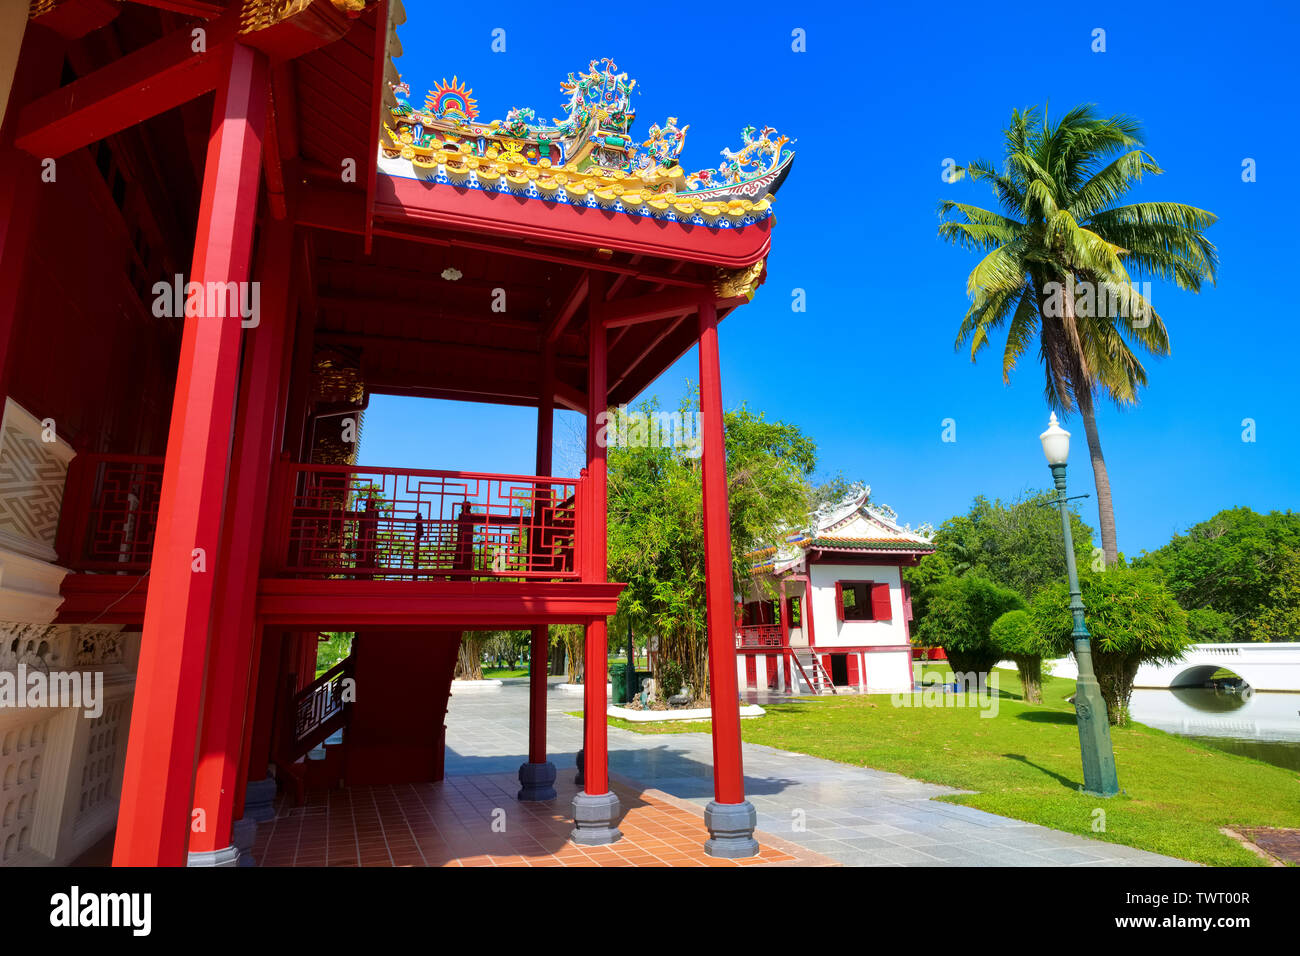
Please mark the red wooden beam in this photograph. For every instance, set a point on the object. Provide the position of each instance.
(206, 9)
(371, 156)
(103, 598)
(154, 815)
(414, 202)
(653, 344)
(299, 604)
(568, 308)
(142, 84)
(73, 19)
(653, 307)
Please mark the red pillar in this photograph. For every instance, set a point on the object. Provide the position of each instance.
(730, 818)
(153, 818)
(232, 660)
(596, 809)
(537, 776)
(596, 666)
(20, 181)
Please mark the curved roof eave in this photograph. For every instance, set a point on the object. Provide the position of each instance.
(445, 206)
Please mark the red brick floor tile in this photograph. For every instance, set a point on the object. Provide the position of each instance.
(456, 822)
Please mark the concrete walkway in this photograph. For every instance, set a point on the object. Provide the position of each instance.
(857, 816)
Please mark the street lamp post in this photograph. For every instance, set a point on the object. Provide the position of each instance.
(1090, 709)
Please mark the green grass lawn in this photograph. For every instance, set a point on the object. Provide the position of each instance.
(1024, 763)
(501, 673)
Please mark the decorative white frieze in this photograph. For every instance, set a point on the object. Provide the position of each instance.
(33, 470)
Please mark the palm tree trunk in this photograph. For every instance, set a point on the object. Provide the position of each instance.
(1105, 508)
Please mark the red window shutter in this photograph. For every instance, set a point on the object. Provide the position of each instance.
(880, 603)
(853, 669)
(839, 601)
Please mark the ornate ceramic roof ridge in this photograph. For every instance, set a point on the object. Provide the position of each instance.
(869, 527)
(588, 157)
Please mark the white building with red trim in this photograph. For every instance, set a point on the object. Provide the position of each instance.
(842, 615)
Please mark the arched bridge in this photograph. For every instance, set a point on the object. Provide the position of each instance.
(1262, 666)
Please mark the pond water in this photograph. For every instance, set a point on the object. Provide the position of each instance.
(1263, 725)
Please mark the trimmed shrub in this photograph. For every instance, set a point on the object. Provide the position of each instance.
(959, 617)
(1014, 635)
(1133, 619)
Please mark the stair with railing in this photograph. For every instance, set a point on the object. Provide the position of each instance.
(315, 718)
(813, 673)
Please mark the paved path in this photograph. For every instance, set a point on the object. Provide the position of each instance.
(858, 816)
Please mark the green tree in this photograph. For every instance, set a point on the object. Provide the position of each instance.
(1230, 573)
(834, 490)
(469, 659)
(1016, 544)
(959, 618)
(507, 647)
(1279, 618)
(1060, 260)
(1133, 618)
(336, 646)
(1016, 639)
(656, 535)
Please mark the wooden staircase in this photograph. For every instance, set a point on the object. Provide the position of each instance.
(813, 673)
(315, 719)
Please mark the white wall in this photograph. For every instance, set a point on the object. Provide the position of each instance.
(829, 632)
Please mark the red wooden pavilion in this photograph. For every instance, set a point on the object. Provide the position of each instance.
(337, 242)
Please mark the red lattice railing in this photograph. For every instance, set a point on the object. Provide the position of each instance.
(758, 635)
(109, 515)
(395, 524)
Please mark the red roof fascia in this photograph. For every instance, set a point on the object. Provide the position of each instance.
(502, 214)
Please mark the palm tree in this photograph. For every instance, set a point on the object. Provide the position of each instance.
(1061, 259)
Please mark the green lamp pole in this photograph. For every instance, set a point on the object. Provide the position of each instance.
(1090, 709)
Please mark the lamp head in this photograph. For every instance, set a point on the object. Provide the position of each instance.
(1056, 442)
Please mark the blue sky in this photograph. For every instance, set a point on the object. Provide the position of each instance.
(879, 100)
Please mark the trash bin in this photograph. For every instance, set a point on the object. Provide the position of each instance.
(618, 683)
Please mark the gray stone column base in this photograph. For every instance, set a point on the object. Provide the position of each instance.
(537, 781)
(731, 830)
(579, 779)
(259, 800)
(594, 816)
(242, 835)
(225, 857)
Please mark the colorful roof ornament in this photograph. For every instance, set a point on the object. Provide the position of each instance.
(451, 101)
(854, 524)
(588, 157)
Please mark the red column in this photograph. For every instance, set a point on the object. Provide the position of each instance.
(538, 654)
(537, 776)
(596, 809)
(153, 818)
(729, 817)
(596, 665)
(728, 783)
(233, 659)
(20, 181)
